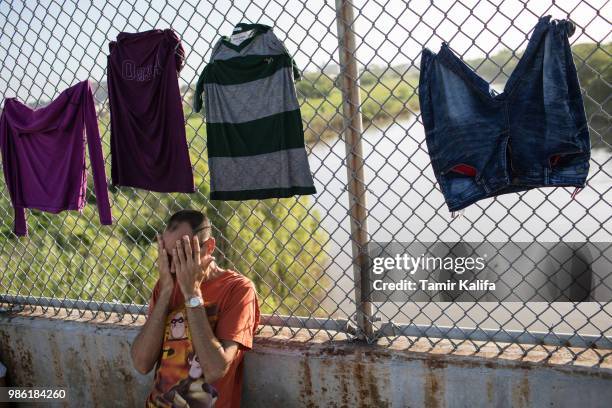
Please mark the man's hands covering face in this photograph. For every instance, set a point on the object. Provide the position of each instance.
(166, 280)
(190, 266)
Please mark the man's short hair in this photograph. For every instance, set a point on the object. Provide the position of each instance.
(197, 220)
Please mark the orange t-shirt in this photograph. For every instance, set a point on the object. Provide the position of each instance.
(231, 304)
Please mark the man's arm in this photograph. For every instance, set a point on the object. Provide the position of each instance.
(215, 356)
(147, 344)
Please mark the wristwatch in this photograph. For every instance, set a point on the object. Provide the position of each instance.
(194, 302)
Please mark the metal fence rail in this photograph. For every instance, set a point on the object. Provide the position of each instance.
(366, 148)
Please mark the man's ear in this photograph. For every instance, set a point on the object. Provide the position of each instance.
(208, 247)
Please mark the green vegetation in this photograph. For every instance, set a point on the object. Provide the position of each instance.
(390, 93)
(384, 98)
(277, 243)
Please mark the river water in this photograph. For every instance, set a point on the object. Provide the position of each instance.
(405, 204)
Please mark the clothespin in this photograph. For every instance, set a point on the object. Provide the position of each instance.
(575, 193)
(457, 214)
(571, 27)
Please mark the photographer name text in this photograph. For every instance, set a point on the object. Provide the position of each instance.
(477, 285)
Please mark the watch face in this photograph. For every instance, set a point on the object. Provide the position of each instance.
(194, 301)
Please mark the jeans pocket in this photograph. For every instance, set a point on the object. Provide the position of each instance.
(459, 180)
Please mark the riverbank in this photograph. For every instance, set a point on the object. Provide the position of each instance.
(383, 101)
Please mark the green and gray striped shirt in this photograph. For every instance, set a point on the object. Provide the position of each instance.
(254, 128)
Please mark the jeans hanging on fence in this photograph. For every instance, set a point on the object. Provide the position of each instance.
(533, 134)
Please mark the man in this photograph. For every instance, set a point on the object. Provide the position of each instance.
(201, 320)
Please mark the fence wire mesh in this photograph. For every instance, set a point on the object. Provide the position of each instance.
(300, 252)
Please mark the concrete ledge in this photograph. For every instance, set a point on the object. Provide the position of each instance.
(90, 359)
(341, 374)
(89, 355)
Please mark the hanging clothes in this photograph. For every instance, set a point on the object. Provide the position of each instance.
(533, 134)
(255, 138)
(43, 155)
(148, 142)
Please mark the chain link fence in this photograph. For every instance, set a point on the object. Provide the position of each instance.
(367, 152)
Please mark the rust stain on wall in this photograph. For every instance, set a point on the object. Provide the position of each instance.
(341, 376)
(368, 384)
(490, 388)
(56, 359)
(521, 393)
(434, 391)
(306, 392)
(19, 360)
(362, 392)
(374, 382)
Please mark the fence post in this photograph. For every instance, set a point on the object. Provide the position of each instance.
(353, 128)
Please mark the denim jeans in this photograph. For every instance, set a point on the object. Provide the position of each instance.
(533, 134)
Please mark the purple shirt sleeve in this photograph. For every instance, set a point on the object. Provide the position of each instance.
(95, 158)
(20, 227)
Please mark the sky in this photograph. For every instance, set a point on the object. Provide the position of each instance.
(47, 46)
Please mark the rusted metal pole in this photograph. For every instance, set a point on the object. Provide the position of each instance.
(351, 102)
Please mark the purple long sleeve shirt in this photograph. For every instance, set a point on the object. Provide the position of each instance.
(43, 155)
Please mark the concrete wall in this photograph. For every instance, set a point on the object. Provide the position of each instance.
(92, 360)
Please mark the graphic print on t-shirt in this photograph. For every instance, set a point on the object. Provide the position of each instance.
(130, 71)
(179, 380)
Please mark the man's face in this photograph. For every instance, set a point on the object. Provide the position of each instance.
(170, 237)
